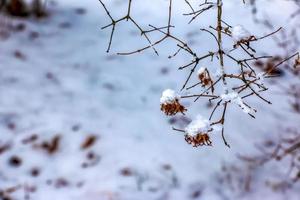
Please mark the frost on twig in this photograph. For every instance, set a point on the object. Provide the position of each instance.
(234, 97)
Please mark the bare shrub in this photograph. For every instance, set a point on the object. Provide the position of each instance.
(251, 81)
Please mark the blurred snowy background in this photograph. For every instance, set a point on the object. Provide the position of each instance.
(77, 123)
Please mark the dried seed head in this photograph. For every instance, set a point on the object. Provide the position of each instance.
(198, 140)
(197, 132)
(172, 108)
(169, 103)
(204, 77)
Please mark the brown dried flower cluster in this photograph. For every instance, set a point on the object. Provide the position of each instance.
(205, 78)
(198, 140)
(172, 108)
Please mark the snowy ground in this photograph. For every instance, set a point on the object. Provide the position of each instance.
(56, 80)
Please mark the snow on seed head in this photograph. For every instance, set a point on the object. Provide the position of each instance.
(168, 96)
(169, 103)
(201, 70)
(199, 125)
(196, 133)
(240, 33)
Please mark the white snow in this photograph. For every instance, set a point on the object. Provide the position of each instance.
(201, 70)
(169, 96)
(239, 33)
(232, 96)
(198, 125)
